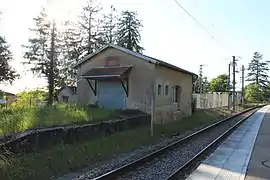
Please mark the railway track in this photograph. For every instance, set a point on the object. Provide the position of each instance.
(173, 160)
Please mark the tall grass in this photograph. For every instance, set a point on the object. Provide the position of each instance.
(6, 160)
(20, 119)
(64, 158)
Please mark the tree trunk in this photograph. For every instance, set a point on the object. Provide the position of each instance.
(90, 33)
(51, 68)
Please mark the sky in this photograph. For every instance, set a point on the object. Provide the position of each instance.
(234, 28)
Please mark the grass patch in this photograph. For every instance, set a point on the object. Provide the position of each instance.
(62, 159)
(201, 117)
(20, 119)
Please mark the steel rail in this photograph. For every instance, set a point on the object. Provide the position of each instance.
(175, 174)
(123, 169)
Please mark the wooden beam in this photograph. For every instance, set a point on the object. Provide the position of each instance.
(125, 87)
(94, 89)
(127, 82)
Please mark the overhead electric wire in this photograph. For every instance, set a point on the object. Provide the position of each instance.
(199, 24)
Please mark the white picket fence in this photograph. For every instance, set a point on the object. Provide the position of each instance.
(214, 100)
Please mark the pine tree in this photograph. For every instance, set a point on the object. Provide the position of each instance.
(71, 52)
(197, 85)
(43, 53)
(128, 31)
(7, 73)
(109, 22)
(89, 26)
(99, 36)
(258, 70)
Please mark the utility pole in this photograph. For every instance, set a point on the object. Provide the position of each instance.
(233, 94)
(204, 92)
(201, 84)
(204, 84)
(229, 85)
(243, 81)
(201, 79)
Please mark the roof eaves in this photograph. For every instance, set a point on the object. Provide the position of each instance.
(8, 93)
(65, 87)
(175, 67)
(71, 90)
(89, 56)
(154, 60)
(139, 55)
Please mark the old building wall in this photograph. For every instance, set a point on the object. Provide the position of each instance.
(140, 78)
(166, 107)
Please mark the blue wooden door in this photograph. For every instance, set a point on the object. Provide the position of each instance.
(111, 94)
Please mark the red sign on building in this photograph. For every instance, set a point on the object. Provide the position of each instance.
(112, 61)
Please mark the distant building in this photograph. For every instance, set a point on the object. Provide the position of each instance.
(67, 94)
(8, 99)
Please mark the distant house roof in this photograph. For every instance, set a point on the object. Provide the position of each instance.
(8, 93)
(73, 89)
(138, 55)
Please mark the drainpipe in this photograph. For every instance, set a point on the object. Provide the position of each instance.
(153, 101)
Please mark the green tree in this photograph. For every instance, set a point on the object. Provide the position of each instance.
(43, 52)
(253, 93)
(72, 49)
(30, 98)
(257, 70)
(219, 84)
(128, 31)
(109, 22)
(266, 91)
(89, 26)
(196, 85)
(1, 94)
(7, 73)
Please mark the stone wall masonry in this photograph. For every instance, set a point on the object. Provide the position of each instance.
(35, 140)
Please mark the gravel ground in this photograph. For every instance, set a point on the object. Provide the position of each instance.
(122, 159)
(162, 166)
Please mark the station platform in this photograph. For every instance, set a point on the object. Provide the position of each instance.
(243, 155)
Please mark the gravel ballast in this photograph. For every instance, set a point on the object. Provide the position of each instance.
(162, 166)
(102, 167)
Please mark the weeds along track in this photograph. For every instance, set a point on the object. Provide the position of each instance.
(168, 162)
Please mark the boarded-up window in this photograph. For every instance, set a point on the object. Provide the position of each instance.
(177, 93)
(159, 90)
(166, 90)
(112, 61)
(177, 96)
(65, 99)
